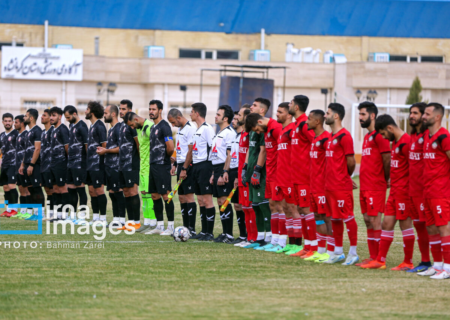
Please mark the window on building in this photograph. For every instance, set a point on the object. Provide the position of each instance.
(9, 44)
(413, 59)
(188, 53)
(398, 58)
(209, 54)
(228, 54)
(38, 104)
(437, 59)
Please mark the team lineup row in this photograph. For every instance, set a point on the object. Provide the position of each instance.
(290, 179)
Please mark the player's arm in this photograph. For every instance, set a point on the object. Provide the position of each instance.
(226, 166)
(37, 151)
(262, 156)
(386, 165)
(169, 146)
(351, 164)
(137, 142)
(187, 162)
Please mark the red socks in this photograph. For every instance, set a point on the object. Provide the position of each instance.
(386, 239)
(311, 229)
(445, 245)
(376, 242)
(435, 244)
(338, 231)
(290, 227)
(250, 223)
(274, 222)
(423, 240)
(297, 226)
(322, 240)
(281, 224)
(352, 230)
(370, 241)
(330, 243)
(408, 244)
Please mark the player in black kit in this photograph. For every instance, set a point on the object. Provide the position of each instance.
(21, 146)
(46, 175)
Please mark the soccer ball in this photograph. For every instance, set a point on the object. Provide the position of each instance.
(181, 234)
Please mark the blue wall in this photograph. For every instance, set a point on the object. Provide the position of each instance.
(376, 18)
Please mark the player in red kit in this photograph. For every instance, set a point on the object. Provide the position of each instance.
(373, 177)
(340, 165)
(436, 177)
(416, 184)
(398, 206)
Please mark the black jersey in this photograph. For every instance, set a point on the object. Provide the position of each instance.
(8, 146)
(128, 153)
(97, 136)
(21, 146)
(78, 139)
(112, 159)
(159, 135)
(60, 138)
(46, 147)
(34, 134)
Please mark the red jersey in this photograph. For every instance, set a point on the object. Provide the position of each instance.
(301, 142)
(416, 165)
(436, 171)
(243, 148)
(400, 167)
(339, 147)
(371, 172)
(318, 161)
(284, 168)
(271, 141)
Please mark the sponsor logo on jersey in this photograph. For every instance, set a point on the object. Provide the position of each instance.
(429, 155)
(252, 143)
(329, 153)
(294, 141)
(366, 151)
(269, 145)
(414, 156)
(313, 154)
(243, 150)
(394, 163)
(282, 146)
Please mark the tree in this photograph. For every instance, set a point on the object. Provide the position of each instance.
(414, 92)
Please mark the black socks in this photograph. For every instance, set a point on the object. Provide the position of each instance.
(170, 210)
(102, 202)
(240, 217)
(227, 219)
(191, 214)
(82, 195)
(210, 214)
(159, 209)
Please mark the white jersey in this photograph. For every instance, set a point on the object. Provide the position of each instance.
(201, 143)
(234, 164)
(184, 136)
(221, 143)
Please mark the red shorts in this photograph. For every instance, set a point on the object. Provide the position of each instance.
(271, 192)
(418, 209)
(398, 207)
(437, 211)
(372, 202)
(302, 195)
(340, 203)
(244, 198)
(286, 193)
(318, 203)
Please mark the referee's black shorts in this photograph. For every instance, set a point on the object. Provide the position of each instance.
(220, 191)
(160, 180)
(187, 186)
(202, 172)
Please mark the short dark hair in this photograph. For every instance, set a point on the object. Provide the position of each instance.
(128, 103)
(34, 113)
(174, 113)
(236, 112)
(158, 103)
(264, 102)
(7, 115)
(20, 117)
(129, 117)
(337, 108)
(437, 107)
(302, 102)
(200, 108)
(114, 109)
(96, 108)
(319, 113)
(246, 106)
(71, 110)
(284, 105)
(252, 121)
(370, 107)
(227, 112)
(47, 111)
(56, 110)
(383, 121)
(420, 105)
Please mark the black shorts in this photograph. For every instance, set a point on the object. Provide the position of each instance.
(59, 174)
(95, 178)
(202, 172)
(127, 179)
(8, 176)
(160, 180)
(220, 191)
(76, 176)
(22, 179)
(112, 179)
(187, 186)
(35, 179)
(46, 178)
(232, 175)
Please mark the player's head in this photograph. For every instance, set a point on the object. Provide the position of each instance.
(19, 122)
(198, 111)
(298, 103)
(368, 112)
(71, 114)
(260, 106)
(254, 122)
(385, 125)
(55, 115)
(224, 114)
(132, 119)
(235, 122)
(243, 113)
(8, 120)
(175, 117)
(315, 119)
(45, 117)
(283, 113)
(111, 113)
(335, 112)
(155, 108)
(31, 116)
(125, 106)
(416, 112)
(94, 108)
(434, 112)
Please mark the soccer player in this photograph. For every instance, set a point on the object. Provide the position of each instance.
(373, 177)
(398, 206)
(160, 181)
(143, 128)
(186, 190)
(417, 134)
(317, 180)
(198, 153)
(31, 162)
(22, 180)
(76, 166)
(8, 177)
(339, 185)
(112, 176)
(436, 177)
(129, 167)
(46, 176)
(221, 147)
